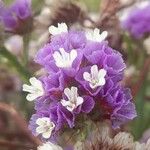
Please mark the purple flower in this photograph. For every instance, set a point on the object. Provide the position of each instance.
(68, 45)
(137, 21)
(118, 105)
(17, 18)
(83, 77)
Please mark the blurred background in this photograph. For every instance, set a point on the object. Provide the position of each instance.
(18, 47)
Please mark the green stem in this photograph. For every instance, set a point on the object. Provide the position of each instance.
(15, 63)
(25, 48)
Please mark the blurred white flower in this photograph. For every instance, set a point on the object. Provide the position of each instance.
(14, 44)
(49, 146)
(129, 71)
(44, 17)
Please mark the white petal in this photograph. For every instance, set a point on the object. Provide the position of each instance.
(93, 86)
(53, 30)
(36, 83)
(73, 55)
(104, 35)
(47, 135)
(94, 35)
(40, 130)
(49, 146)
(71, 108)
(64, 102)
(67, 92)
(94, 71)
(64, 54)
(31, 97)
(62, 27)
(102, 73)
(28, 88)
(87, 76)
(101, 82)
(74, 92)
(58, 58)
(79, 101)
(42, 121)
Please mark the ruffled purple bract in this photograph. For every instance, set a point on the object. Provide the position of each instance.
(111, 101)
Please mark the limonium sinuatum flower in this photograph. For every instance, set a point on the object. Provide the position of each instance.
(83, 77)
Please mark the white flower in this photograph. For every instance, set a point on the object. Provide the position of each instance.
(35, 89)
(62, 27)
(45, 127)
(94, 35)
(49, 146)
(73, 99)
(14, 44)
(64, 59)
(96, 77)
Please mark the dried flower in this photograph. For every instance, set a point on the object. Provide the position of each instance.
(101, 139)
(66, 11)
(49, 146)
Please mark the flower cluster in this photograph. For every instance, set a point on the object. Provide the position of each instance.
(137, 20)
(16, 18)
(83, 78)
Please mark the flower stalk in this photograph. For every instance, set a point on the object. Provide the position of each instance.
(23, 72)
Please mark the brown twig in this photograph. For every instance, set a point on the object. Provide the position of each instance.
(142, 76)
(12, 145)
(109, 11)
(20, 122)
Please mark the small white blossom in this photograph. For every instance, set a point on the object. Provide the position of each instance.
(64, 59)
(45, 127)
(94, 35)
(96, 77)
(49, 146)
(62, 27)
(35, 89)
(73, 99)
